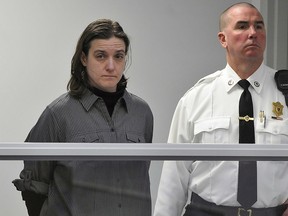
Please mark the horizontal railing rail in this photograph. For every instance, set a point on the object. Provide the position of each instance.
(142, 151)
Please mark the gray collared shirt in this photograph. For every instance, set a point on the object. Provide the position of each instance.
(89, 188)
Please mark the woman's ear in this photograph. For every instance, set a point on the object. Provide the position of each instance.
(84, 59)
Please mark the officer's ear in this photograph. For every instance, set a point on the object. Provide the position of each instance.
(222, 39)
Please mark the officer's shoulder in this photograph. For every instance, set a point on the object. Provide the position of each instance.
(208, 79)
(203, 82)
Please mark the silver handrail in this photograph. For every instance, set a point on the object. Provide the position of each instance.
(142, 151)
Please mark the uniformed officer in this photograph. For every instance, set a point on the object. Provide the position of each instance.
(208, 113)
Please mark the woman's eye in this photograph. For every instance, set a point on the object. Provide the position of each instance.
(120, 56)
(100, 56)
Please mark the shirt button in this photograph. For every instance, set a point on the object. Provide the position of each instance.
(112, 130)
(257, 84)
(230, 82)
(119, 205)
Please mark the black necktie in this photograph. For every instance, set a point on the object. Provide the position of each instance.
(247, 176)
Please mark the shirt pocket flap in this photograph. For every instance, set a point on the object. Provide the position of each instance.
(134, 138)
(87, 138)
(207, 125)
(274, 126)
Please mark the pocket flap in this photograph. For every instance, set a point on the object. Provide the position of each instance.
(131, 137)
(274, 127)
(87, 138)
(206, 125)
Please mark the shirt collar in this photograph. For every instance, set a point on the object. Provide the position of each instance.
(256, 79)
(89, 98)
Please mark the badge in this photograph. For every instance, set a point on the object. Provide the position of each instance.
(277, 110)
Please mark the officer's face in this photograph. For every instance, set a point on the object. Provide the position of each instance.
(244, 35)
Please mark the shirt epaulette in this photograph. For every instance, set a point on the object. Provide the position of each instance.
(208, 78)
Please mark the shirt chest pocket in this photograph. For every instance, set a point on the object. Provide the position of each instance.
(86, 138)
(134, 138)
(274, 132)
(212, 130)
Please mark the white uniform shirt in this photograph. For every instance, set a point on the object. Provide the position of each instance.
(208, 113)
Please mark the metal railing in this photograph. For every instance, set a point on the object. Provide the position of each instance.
(142, 151)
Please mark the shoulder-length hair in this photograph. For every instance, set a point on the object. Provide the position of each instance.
(99, 29)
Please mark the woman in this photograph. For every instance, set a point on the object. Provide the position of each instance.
(97, 108)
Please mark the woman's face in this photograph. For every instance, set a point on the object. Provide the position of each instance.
(105, 63)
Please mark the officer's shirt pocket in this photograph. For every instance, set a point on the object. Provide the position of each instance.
(212, 130)
(273, 132)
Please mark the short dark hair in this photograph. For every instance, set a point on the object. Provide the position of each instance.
(222, 21)
(99, 29)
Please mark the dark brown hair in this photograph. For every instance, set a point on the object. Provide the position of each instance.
(99, 29)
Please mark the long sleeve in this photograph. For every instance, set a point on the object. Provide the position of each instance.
(174, 182)
(173, 189)
(36, 175)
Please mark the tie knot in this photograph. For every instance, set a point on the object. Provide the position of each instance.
(244, 84)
